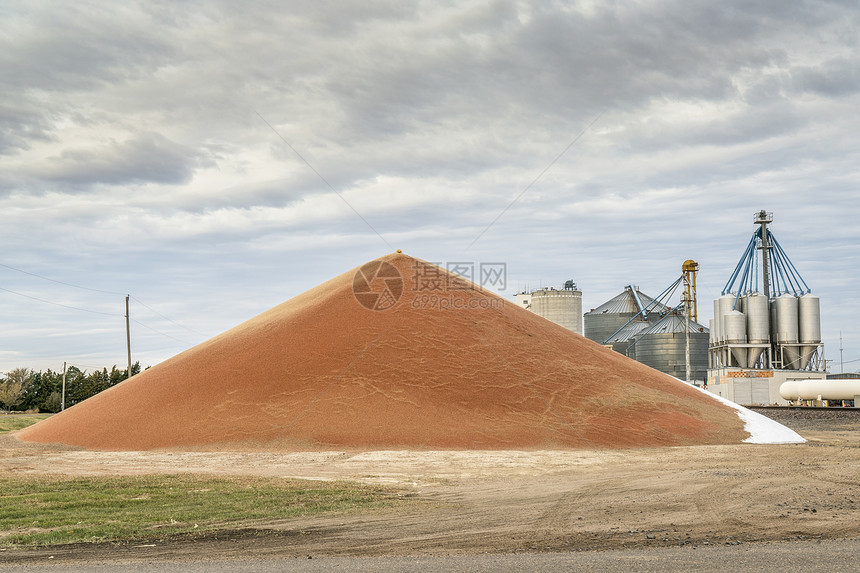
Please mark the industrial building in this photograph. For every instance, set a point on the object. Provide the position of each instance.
(616, 322)
(668, 339)
(563, 307)
(766, 328)
(632, 323)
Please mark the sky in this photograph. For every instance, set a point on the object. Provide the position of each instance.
(214, 159)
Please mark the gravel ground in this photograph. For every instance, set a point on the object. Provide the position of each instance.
(470, 503)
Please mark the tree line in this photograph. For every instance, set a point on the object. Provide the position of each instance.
(22, 389)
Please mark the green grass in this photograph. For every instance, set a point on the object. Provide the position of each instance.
(12, 423)
(50, 511)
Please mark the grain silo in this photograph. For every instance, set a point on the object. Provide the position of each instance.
(563, 307)
(647, 330)
(767, 325)
(621, 340)
(663, 346)
(604, 322)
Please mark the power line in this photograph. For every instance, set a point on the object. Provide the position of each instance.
(159, 332)
(165, 318)
(323, 179)
(94, 311)
(102, 313)
(61, 282)
(59, 304)
(536, 179)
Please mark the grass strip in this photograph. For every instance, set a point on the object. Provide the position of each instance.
(60, 510)
(15, 422)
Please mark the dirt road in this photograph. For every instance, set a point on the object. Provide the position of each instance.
(477, 502)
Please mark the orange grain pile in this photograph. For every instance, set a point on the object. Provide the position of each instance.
(395, 354)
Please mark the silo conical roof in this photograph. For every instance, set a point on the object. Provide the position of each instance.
(625, 303)
(673, 323)
(629, 332)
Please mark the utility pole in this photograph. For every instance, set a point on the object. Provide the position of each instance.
(128, 337)
(63, 399)
(687, 348)
(841, 363)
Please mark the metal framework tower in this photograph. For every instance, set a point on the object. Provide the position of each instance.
(688, 276)
(778, 273)
(689, 270)
(763, 218)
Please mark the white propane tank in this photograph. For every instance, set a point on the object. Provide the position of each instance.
(845, 389)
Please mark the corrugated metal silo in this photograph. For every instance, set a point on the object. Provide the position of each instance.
(622, 340)
(663, 347)
(605, 320)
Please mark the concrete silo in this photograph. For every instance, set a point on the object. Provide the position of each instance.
(563, 307)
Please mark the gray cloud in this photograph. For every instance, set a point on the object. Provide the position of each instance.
(19, 126)
(144, 158)
(836, 77)
(57, 49)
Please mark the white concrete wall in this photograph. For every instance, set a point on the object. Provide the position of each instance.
(563, 307)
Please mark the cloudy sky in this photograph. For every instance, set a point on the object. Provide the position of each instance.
(213, 159)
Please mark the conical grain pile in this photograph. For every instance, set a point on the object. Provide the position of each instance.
(395, 354)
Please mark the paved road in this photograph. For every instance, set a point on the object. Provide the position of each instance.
(800, 556)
